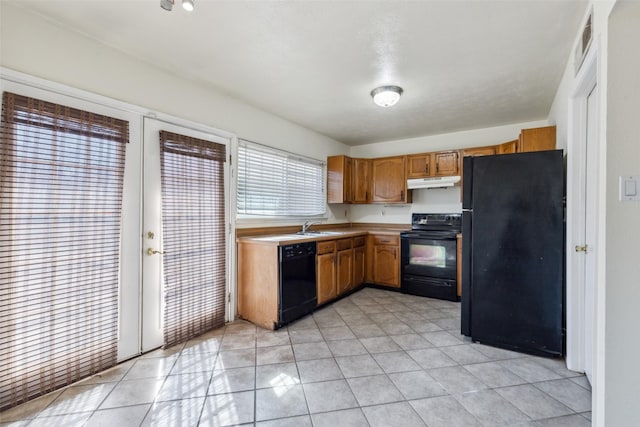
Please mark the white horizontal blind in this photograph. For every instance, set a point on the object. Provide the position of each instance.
(277, 183)
(61, 173)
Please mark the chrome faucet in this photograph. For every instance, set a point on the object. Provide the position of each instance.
(307, 225)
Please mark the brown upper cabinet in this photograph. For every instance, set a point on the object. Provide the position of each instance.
(479, 151)
(361, 181)
(507, 147)
(348, 180)
(419, 165)
(388, 180)
(339, 179)
(537, 139)
(384, 180)
(446, 163)
(424, 165)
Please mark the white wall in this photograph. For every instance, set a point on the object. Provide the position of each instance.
(570, 135)
(616, 29)
(33, 45)
(622, 219)
(432, 200)
(437, 200)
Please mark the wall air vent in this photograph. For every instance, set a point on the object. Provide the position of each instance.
(584, 42)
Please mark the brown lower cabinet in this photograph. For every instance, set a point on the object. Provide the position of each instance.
(326, 271)
(384, 260)
(344, 262)
(258, 283)
(359, 256)
(340, 267)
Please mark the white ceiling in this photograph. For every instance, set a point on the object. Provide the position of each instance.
(462, 64)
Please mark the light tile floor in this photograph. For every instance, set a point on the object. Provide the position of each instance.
(375, 358)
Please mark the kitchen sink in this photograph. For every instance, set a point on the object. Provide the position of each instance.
(320, 233)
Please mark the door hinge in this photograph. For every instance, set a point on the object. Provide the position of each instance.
(229, 297)
(582, 248)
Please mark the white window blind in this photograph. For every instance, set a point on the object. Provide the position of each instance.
(272, 182)
(61, 172)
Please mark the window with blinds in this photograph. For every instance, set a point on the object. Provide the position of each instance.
(193, 235)
(276, 183)
(61, 172)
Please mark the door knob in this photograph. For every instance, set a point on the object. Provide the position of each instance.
(152, 251)
(581, 248)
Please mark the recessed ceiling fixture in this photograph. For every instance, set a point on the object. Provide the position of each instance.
(386, 96)
(187, 5)
(168, 4)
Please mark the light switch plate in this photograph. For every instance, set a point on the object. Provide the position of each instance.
(629, 188)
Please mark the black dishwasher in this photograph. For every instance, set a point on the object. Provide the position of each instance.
(297, 295)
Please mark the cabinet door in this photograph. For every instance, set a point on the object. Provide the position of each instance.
(479, 151)
(386, 265)
(339, 179)
(326, 274)
(446, 163)
(345, 271)
(388, 180)
(358, 266)
(537, 139)
(507, 147)
(346, 184)
(419, 165)
(361, 180)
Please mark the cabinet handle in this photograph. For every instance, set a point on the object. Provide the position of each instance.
(401, 194)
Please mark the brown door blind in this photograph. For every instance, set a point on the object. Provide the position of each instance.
(193, 234)
(60, 207)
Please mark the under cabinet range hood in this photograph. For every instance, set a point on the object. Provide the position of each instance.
(437, 182)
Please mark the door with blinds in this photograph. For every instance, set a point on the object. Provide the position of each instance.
(62, 214)
(185, 233)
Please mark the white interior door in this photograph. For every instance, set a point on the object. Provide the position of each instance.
(590, 209)
(152, 245)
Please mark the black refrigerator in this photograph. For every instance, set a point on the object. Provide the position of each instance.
(513, 251)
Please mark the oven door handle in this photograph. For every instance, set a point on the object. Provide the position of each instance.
(412, 235)
(427, 235)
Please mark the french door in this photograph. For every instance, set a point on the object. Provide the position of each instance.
(195, 241)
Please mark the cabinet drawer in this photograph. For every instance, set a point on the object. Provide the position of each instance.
(386, 240)
(359, 241)
(344, 244)
(326, 247)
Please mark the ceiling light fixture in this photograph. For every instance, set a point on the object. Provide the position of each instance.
(187, 5)
(386, 96)
(166, 4)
